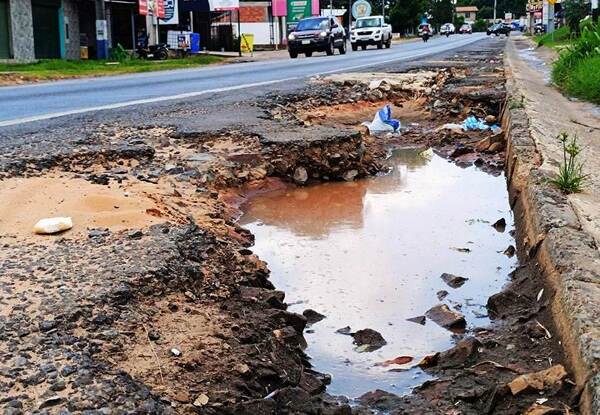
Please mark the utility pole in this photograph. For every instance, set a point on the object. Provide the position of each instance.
(495, 1)
(101, 31)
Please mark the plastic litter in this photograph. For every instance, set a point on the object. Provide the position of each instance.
(474, 123)
(383, 122)
(49, 226)
(427, 154)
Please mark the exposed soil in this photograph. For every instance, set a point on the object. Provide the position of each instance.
(154, 303)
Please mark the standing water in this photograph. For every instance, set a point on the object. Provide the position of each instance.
(369, 254)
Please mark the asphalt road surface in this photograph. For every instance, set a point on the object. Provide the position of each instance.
(24, 104)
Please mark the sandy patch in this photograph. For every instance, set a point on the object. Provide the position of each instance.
(116, 207)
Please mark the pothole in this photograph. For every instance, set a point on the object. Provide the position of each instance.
(370, 254)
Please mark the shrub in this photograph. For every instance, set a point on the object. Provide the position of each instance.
(584, 80)
(585, 47)
(558, 35)
(480, 25)
(570, 175)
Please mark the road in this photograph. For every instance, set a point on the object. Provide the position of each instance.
(28, 103)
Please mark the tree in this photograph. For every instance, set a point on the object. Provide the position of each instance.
(459, 21)
(442, 12)
(405, 15)
(575, 10)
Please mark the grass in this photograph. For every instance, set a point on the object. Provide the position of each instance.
(514, 103)
(570, 175)
(58, 68)
(577, 70)
(559, 37)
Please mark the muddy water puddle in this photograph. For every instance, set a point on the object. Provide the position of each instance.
(369, 254)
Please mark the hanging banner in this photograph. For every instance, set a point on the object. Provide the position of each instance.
(160, 8)
(143, 7)
(171, 12)
(221, 5)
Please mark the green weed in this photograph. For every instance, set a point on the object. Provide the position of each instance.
(570, 174)
(514, 103)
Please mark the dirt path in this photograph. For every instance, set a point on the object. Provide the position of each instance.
(154, 301)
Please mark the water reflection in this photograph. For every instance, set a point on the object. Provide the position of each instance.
(370, 254)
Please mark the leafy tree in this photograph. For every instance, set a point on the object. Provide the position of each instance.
(442, 12)
(480, 25)
(575, 10)
(459, 21)
(405, 15)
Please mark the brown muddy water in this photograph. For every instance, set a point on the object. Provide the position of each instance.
(369, 254)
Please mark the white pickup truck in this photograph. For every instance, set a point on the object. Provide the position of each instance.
(371, 30)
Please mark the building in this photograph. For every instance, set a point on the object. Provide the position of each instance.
(468, 12)
(35, 29)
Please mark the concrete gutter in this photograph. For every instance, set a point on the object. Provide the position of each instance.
(551, 232)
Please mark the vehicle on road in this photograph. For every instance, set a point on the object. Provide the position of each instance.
(316, 34)
(447, 29)
(158, 52)
(539, 29)
(371, 30)
(425, 28)
(466, 28)
(499, 29)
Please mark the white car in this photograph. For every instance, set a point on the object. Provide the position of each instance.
(447, 29)
(371, 30)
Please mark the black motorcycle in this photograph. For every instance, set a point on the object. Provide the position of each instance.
(425, 36)
(158, 52)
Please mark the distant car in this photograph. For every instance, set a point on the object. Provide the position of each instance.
(425, 27)
(466, 28)
(447, 29)
(499, 29)
(316, 34)
(371, 30)
(539, 29)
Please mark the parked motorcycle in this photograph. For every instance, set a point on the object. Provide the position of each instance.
(158, 52)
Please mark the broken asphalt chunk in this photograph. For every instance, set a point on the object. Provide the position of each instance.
(550, 378)
(443, 316)
(452, 280)
(368, 339)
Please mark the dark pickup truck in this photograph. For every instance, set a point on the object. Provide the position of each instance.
(316, 34)
(499, 29)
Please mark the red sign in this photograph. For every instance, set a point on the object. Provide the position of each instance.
(160, 8)
(143, 7)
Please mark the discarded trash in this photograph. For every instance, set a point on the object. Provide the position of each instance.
(457, 128)
(547, 378)
(175, 352)
(474, 123)
(49, 226)
(426, 154)
(201, 400)
(383, 122)
(429, 361)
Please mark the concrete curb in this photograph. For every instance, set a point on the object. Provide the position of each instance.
(552, 236)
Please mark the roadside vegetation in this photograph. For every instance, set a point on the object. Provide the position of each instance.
(577, 70)
(570, 175)
(47, 69)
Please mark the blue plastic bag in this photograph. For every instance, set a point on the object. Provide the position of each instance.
(473, 123)
(383, 122)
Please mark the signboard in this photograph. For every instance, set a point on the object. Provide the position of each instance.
(171, 12)
(247, 43)
(508, 16)
(143, 7)
(297, 10)
(160, 8)
(361, 8)
(220, 5)
(101, 30)
(594, 4)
